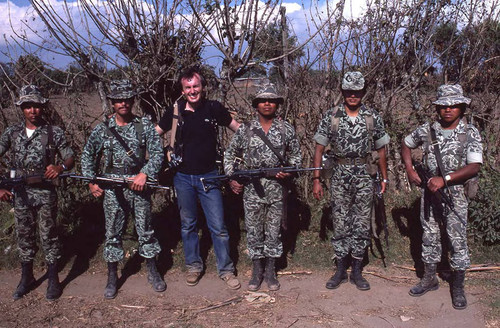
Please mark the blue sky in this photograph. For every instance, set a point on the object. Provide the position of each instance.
(12, 12)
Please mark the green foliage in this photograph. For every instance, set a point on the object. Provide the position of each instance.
(484, 211)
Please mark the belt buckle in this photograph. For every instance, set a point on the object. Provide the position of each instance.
(130, 153)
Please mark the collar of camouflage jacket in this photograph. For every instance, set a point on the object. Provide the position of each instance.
(461, 128)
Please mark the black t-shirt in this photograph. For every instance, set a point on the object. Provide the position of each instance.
(198, 134)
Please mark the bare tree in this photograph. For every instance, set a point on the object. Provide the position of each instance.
(147, 41)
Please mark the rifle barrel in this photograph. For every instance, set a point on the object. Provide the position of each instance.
(117, 181)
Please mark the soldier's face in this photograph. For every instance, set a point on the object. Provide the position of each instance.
(353, 97)
(449, 114)
(122, 106)
(192, 89)
(32, 112)
(267, 107)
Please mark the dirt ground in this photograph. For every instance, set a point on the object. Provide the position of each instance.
(302, 302)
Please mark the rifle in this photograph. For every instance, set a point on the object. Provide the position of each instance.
(379, 219)
(424, 174)
(119, 181)
(244, 176)
(10, 183)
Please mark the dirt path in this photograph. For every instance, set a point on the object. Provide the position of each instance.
(302, 302)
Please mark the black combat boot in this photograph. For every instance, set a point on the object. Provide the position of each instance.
(356, 278)
(257, 275)
(457, 290)
(340, 275)
(428, 282)
(27, 280)
(111, 287)
(270, 274)
(154, 277)
(54, 289)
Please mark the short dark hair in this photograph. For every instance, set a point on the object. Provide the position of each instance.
(189, 73)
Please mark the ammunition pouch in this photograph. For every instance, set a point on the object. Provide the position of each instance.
(471, 188)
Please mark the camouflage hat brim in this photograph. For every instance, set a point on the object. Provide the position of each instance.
(31, 98)
(122, 95)
(452, 100)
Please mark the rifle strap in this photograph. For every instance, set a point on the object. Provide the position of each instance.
(126, 147)
(437, 154)
(261, 135)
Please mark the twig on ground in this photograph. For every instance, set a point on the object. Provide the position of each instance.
(236, 299)
(380, 276)
(473, 268)
(282, 273)
(292, 323)
(387, 321)
(133, 306)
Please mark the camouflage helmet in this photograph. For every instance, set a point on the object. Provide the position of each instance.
(353, 81)
(121, 89)
(267, 92)
(451, 94)
(31, 93)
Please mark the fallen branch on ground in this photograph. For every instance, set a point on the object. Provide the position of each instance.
(473, 268)
(283, 273)
(215, 306)
(384, 277)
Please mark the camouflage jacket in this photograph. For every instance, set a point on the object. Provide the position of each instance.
(453, 153)
(255, 153)
(100, 142)
(351, 139)
(27, 154)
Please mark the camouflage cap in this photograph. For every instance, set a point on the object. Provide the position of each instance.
(451, 94)
(121, 89)
(31, 93)
(267, 92)
(353, 81)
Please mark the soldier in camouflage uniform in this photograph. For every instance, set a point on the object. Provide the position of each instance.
(139, 135)
(263, 198)
(34, 145)
(461, 152)
(352, 138)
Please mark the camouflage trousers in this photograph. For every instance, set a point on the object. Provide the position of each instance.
(118, 204)
(263, 214)
(352, 196)
(456, 231)
(30, 203)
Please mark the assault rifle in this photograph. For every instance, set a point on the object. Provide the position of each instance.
(9, 183)
(379, 219)
(441, 196)
(119, 181)
(244, 176)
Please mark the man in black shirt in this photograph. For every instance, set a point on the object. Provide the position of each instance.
(197, 135)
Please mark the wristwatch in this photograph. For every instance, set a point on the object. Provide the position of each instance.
(65, 168)
(447, 177)
(385, 180)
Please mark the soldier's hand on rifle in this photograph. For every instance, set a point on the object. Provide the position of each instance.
(95, 190)
(435, 183)
(282, 175)
(5, 195)
(413, 177)
(235, 186)
(139, 182)
(383, 186)
(53, 171)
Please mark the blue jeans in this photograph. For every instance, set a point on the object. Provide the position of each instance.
(189, 189)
